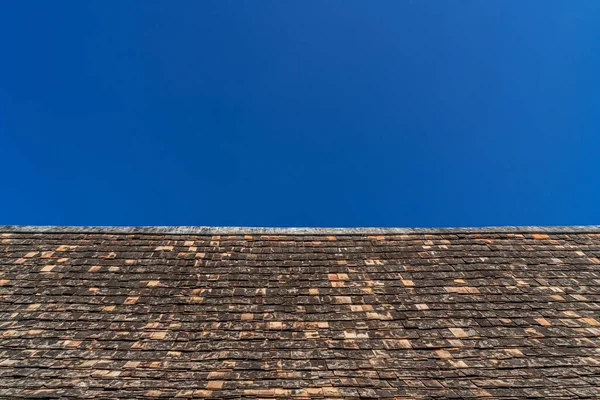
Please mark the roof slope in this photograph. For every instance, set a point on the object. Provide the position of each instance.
(447, 314)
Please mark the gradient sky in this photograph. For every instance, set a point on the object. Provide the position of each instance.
(300, 113)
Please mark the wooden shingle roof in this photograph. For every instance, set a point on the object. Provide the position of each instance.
(284, 313)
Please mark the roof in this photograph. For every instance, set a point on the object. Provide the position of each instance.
(200, 312)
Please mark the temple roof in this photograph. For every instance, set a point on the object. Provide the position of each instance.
(216, 312)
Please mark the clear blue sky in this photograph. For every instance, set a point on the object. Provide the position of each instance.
(300, 113)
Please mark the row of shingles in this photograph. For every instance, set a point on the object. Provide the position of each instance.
(102, 384)
(364, 337)
(267, 384)
(493, 283)
(562, 268)
(564, 337)
(9, 358)
(11, 384)
(368, 337)
(359, 244)
(346, 386)
(414, 360)
(483, 356)
(397, 358)
(442, 258)
(366, 390)
(99, 271)
(399, 252)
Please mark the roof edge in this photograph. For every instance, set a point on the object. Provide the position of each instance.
(233, 230)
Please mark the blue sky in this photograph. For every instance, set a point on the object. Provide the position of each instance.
(300, 113)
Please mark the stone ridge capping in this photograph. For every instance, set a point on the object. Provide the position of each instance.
(230, 230)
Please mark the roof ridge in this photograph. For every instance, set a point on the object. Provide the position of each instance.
(232, 230)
